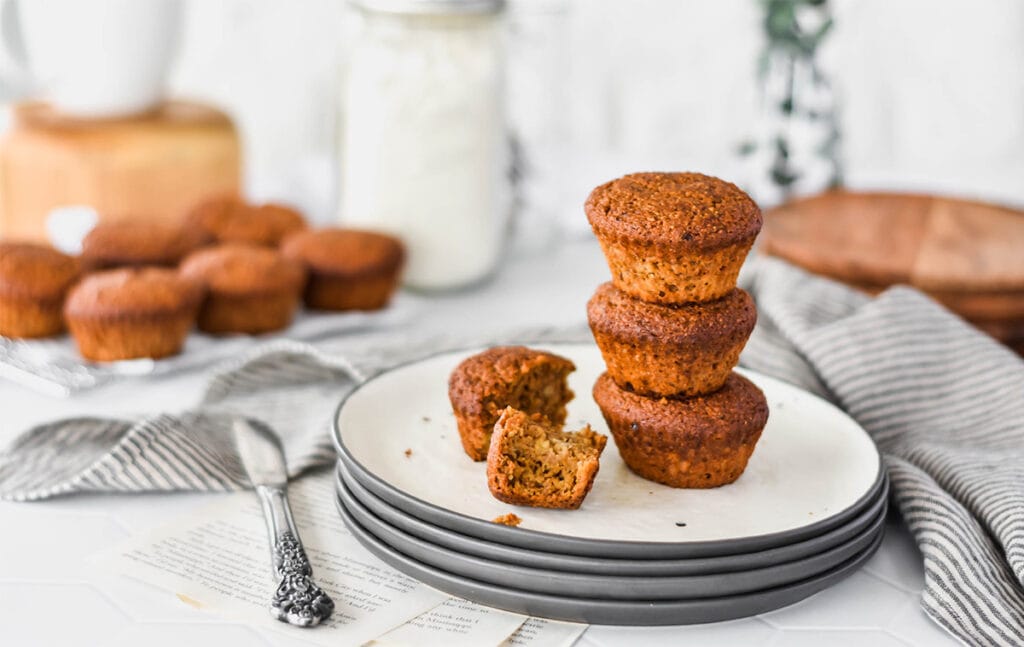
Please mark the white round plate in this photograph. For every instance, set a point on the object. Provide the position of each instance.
(813, 466)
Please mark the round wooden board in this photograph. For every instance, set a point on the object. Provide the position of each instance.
(967, 255)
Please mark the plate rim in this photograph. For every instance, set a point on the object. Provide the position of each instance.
(620, 583)
(591, 546)
(639, 613)
(604, 565)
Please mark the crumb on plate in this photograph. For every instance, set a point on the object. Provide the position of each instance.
(508, 520)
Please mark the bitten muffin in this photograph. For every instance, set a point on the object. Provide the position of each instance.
(248, 289)
(699, 442)
(659, 350)
(128, 243)
(532, 461)
(673, 237)
(228, 219)
(33, 282)
(483, 385)
(349, 269)
(131, 313)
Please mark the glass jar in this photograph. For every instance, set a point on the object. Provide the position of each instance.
(424, 151)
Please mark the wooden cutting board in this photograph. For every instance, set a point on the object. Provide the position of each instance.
(967, 255)
(153, 166)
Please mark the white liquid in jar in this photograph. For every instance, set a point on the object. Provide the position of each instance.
(424, 154)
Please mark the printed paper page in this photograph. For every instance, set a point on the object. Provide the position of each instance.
(219, 560)
(454, 623)
(538, 632)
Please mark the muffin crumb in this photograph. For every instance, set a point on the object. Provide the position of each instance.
(509, 519)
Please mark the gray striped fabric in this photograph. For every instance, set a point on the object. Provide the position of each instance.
(944, 402)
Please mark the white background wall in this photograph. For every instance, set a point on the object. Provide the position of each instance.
(932, 91)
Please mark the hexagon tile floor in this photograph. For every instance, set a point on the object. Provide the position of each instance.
(57, 601)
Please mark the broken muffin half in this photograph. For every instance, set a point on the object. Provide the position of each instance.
(533, 462)
(482, 386)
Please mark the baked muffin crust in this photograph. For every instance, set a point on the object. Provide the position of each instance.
(349, 269)
(483, 385)
(666, 350)
(699, 442)
(248, 289)
(229, 219)
(683, 210)
(34, 280)
(132, 313)
(130, 243)
(533, 462)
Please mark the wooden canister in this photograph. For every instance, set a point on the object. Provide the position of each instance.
(153, 166)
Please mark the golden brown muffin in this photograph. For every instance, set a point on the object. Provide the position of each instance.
(660, 350)
(130, 243)
(349, 269)
(228, 219)
(33, 282)
(483, 385)
(699, 442)
(131, 313)
(673, 237)
(531, 461)
(248, 289)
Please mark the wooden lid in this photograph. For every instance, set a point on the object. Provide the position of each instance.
(183, 114)
(969, 255)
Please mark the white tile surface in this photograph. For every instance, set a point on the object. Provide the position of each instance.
(842, 638)
(860, 601)
(750, 631)
(55, 614)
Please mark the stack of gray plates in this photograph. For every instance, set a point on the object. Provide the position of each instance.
(809, 510)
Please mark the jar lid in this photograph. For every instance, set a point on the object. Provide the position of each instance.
(433, 7)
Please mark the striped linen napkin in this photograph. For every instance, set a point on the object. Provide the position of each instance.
(944, 403)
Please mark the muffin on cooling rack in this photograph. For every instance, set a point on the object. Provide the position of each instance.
(662, 350)
(699, 442)
(534, 462)
(482, 386)
(349, 269)
(131, 243)
(229, 219)
(248, 289)
(673, 237)
(34, 280)
(132, 313)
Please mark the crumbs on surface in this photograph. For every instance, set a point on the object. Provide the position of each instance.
(426, 418)
(408, 453)
(507, 520)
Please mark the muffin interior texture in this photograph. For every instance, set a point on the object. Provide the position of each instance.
(542, 390)
(536, 462)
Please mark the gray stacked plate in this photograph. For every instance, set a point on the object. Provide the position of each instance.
(809, 511)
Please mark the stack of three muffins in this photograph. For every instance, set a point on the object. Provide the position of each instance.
(672, 323)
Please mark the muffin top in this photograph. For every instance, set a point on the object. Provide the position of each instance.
(35, 271)
(481, 381)
(244, 269)
(230, 220)
(133, 291)
(722, 321)
(345, 252)
(687, 210)
(114, 244)
(738, 406)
